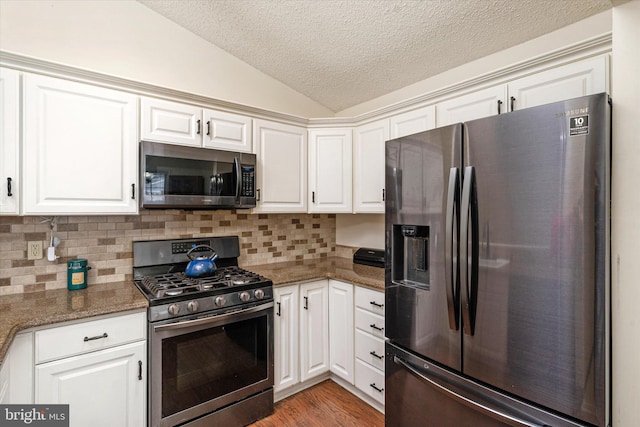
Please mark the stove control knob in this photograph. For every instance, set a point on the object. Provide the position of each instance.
(245, 296)
(259, 294)
(174, 309)
(220, 301)
(192, 307)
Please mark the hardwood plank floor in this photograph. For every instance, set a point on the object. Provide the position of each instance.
(323, 405)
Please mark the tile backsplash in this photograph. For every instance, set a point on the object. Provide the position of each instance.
(106, 242)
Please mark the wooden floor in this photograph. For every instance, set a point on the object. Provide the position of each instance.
(323, 405)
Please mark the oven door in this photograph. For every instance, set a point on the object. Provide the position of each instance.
(201, 364)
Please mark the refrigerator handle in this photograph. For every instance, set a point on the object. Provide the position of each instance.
(496, 413)
(451, 259)
(469, 240)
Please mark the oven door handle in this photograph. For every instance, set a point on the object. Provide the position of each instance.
(211, 319)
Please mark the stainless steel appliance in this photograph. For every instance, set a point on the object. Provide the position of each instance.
(174, 176)
(497, 277)
(210, 338)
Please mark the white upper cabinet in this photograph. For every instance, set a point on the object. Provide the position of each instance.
(581, 78)
(80, 148)
(474, 105)
(176, 123)
(330, 170)
(9, 142)
(165, 121)
(281, 181)
(368, 167)
(413, 122)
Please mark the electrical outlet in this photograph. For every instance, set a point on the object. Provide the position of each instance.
(34, 250)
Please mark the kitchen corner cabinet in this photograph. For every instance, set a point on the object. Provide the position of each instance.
(98, 367)
(176, 123)
(286, 330)
(281, 180)
(330, 171)
(314, 329)
(9, 142)
(79, 148)
(368, 167)
(16, 373)
(413, 121)
(341, 332)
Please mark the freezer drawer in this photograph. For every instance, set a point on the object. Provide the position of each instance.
(420, 393)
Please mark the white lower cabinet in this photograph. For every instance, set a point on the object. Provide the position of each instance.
(369, 337)
(341, 330)
(16, 373)
(301, 333)
(98, 367)
(103, 388)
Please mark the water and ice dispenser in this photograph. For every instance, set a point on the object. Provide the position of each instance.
(411, 255)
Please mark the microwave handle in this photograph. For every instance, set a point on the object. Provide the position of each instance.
(236, 166)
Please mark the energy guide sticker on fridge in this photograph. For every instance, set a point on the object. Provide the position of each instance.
(578, 125)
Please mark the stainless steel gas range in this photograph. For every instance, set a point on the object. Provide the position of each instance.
(210, 338)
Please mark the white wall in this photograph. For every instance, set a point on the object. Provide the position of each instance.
(591, 27)
(625, 214)
(360, 231)
(126, 39)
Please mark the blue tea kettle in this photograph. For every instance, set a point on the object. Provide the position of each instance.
(201, 265)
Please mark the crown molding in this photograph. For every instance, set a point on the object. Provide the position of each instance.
(582, 50)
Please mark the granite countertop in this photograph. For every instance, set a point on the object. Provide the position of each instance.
(344, 269)
(28, 310)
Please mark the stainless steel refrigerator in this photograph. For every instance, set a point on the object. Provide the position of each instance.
(497, 276)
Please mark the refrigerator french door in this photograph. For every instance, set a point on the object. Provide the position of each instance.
(497, 242)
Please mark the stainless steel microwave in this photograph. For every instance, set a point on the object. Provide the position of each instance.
(175, 176)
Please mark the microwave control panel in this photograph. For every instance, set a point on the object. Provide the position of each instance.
(248, 181)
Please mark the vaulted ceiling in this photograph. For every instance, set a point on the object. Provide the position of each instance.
(344, 52)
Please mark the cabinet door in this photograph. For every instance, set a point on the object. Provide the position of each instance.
(341, 330)
(475, 105)
(16, 374)
(368, 167)
(9, 143)
(80, 148)
(330, 180)
(413, 122)
(314, 329)
(582, 78)
(227, 131)
(172, 122)
(281, 182)
(287, 350)
(104, 388)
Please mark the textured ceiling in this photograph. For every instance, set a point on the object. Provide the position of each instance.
(343, 52)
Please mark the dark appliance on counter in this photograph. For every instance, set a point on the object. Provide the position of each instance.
(497, 278)
(210, 338)
(183, 177)
(369, 256)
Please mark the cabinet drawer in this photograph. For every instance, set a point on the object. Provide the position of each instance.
(366, 345)
(64, 341)
(370, 322)
(370, 300)
(370, 380)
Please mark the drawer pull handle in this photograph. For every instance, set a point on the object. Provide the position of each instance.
(376, 355)
(379, 390)
(97, 337)
(373, 325)
(376, 304)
